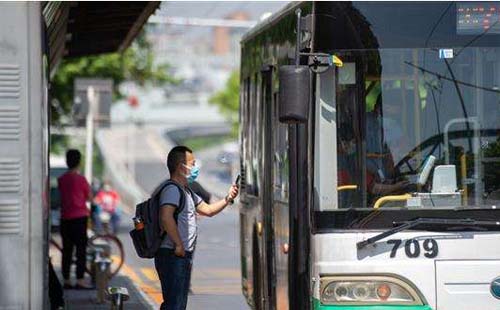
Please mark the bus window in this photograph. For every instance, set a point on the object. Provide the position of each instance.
(325, 161)
(244, 134)
(254, 140)
(405, 107)
(280, 156)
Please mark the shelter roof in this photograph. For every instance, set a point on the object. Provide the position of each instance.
(80, 28)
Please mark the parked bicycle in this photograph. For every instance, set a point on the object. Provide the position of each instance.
(116, 250)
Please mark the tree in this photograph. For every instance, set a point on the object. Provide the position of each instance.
(228, 100)
(134, 64)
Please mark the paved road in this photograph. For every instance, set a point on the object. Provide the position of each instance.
(216, 275)
(216, 281)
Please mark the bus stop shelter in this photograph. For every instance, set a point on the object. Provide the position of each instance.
(34, 38)
(84, 28)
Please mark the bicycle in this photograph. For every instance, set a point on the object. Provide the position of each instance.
(117, 252)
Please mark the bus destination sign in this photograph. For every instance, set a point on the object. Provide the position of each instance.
(478, 18)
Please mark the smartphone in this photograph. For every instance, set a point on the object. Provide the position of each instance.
(237, 183)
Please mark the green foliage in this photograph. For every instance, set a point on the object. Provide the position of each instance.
(228, 100)
(201, 143)
(135, 64)
(58, 144)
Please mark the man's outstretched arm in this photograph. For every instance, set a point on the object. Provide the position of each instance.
(216, 207)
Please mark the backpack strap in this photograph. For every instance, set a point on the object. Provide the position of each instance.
(182, 195)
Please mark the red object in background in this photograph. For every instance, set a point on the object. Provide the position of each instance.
(107, 200)
(74, 190)
(133, 101)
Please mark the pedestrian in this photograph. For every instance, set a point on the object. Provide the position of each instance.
(173, 260)
(75, 193)
(200, 191)
(108, 200)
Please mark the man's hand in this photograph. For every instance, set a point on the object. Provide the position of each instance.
(233, 192)
(216, 207)
(179, 251)
(400, 186)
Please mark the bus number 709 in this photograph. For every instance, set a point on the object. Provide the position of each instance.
(412, 247)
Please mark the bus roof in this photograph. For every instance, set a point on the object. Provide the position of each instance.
(270, 21)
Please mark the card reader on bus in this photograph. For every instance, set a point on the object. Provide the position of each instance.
(444, 191)
(426, 170)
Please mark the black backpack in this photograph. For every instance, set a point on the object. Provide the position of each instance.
(147, 240)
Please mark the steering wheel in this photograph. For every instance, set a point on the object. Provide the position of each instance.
(406, 159)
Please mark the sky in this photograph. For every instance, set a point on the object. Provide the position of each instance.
(212, 9)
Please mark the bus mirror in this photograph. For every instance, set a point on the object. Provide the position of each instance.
(294, 94)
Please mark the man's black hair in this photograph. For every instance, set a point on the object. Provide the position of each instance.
(176, 156)
(73, 158)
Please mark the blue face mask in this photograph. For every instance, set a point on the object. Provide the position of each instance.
(194, 172)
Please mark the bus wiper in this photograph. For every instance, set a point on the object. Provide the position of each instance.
(424, 221)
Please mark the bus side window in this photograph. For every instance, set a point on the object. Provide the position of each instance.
(325, 148)
(253, 150)
(280, 156)
(244, 133)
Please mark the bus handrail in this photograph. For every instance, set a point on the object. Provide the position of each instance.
(390, 198)
(347, 187)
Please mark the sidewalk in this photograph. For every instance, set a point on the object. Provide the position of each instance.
(86, 299)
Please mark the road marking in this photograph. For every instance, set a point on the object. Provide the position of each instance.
(152, 292)
(151, 274)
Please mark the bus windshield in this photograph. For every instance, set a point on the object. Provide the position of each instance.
(412, 128)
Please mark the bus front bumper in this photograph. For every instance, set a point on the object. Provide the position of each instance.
(318, 306)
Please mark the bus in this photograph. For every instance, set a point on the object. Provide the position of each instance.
(370, 157)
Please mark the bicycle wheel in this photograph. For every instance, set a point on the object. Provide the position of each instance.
(117, 253)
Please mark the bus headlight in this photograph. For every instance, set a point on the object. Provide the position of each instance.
(367, 290)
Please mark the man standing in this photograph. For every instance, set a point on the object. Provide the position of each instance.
(173, 261)
(75, 192)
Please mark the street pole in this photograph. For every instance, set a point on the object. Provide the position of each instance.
(93, 100)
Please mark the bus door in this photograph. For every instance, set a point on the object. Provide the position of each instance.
(280, 206)
(267, 174)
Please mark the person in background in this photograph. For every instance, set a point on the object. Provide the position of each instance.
(381, 176)
(108, 201)
(94, 208)
(75, 193)
(200, 191)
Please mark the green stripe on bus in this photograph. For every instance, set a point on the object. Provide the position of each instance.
(318, 306)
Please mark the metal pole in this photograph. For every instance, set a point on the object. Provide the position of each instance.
(117, 295)
(298, 13)
(93, 99)
(102, 277)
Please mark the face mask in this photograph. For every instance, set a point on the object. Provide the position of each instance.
(193, 173)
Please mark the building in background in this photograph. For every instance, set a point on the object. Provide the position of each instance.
(202, 56)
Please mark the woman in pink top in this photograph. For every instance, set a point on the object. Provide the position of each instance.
(75, 192)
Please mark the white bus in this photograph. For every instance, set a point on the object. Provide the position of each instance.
(370, 157)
